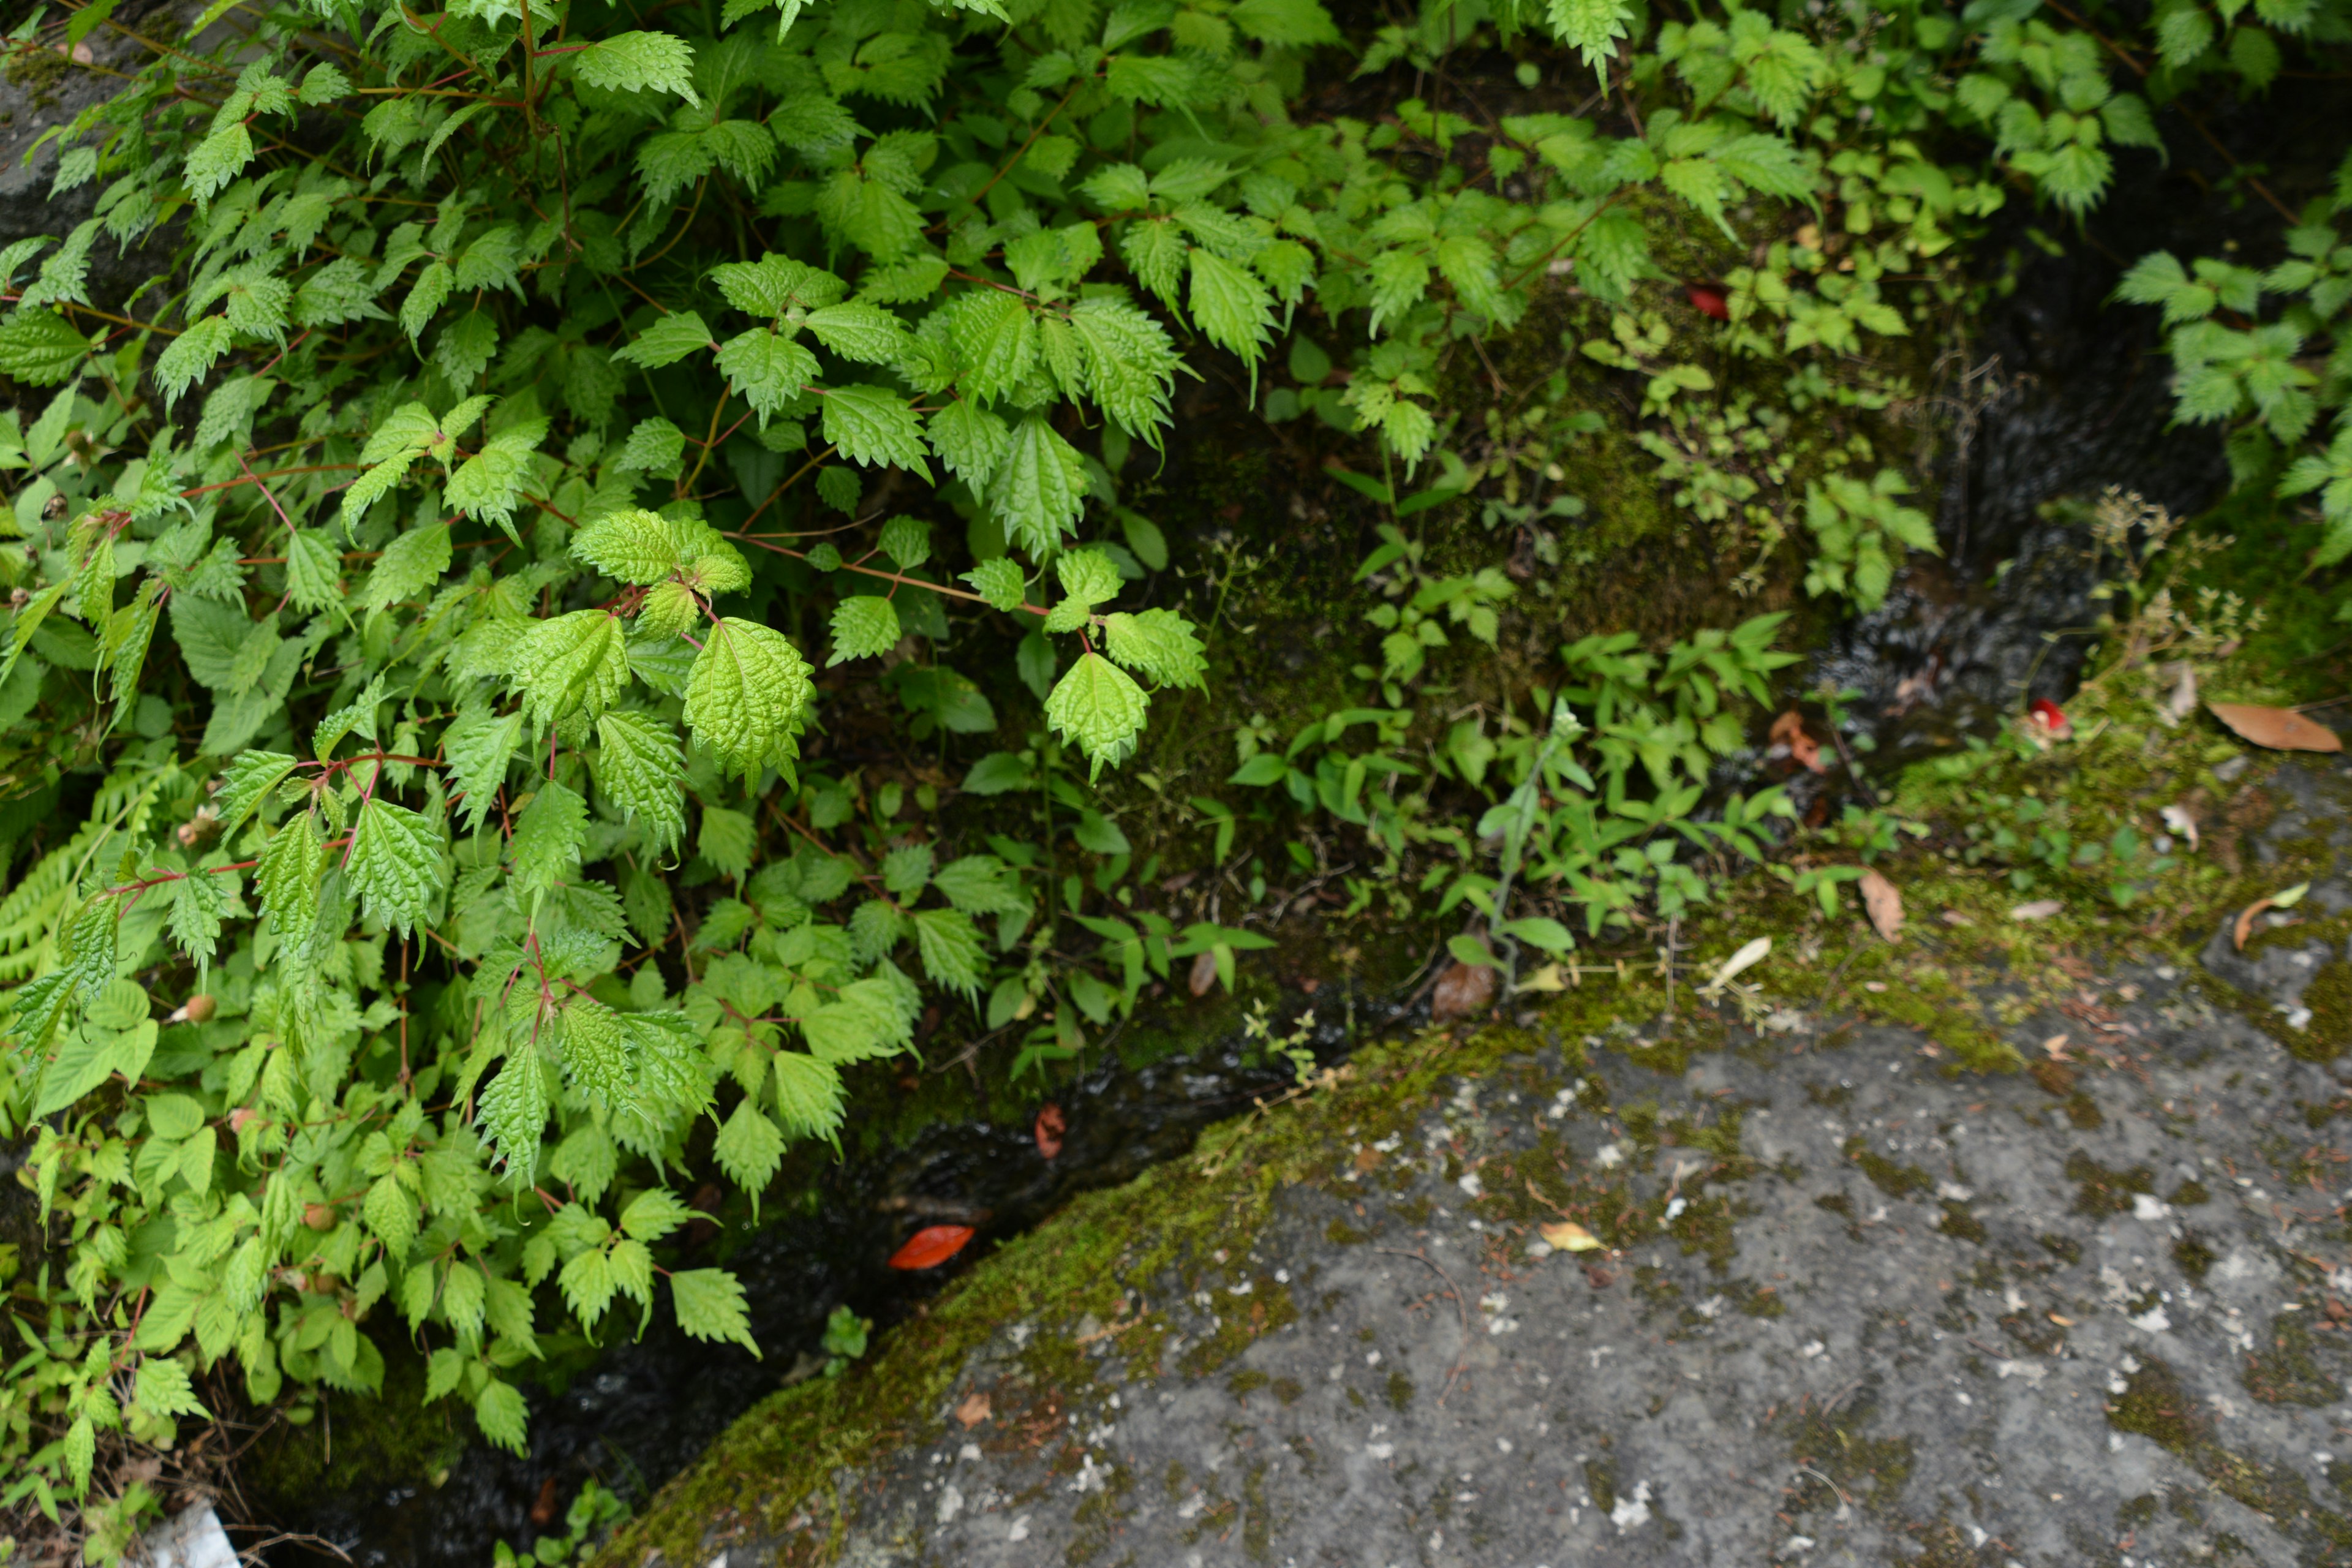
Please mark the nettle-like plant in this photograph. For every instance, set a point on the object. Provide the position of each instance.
(422, 582)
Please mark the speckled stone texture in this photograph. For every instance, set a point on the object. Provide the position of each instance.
(2099, 1314)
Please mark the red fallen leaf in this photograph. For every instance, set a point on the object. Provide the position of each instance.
(1049, 1129)
(1709, 300)
(2051, 719)
(931, 1245)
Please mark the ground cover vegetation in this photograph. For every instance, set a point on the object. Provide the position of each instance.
(612, 582)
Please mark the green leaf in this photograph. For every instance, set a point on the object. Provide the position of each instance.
(1040, 487)
(503, 1417)
(639, 62)
(1158, 644)
(163, 1389)
(748, 1148)
(548, 837)
(571, 663)
(1592, 27)
(1233, 309)
(479, 746)
(768, 370)
(288, 877)
(638, 768)
(667, 340)
(1263, 769)
(243, 785)
(395, 864)
(594, 1049)
(999, 581)
(950, 949)
(808, 1095)
(512, 1111)
(970, 440)
(865, 626)
(179, 366)
(1096, 707)
(409, 564)
(907, 540)
(709, 1306)
(631, 545)
(868, 425)
(746, 696)
(40, 348)
(860, 331)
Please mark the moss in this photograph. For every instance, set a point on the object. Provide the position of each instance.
(2153, 1406)
(2288, 1373)
(1157, 1235)
(1400, 1390)
(2104, 1192)
(1838, 1460)
(2188, 1195)
(2193, 1256)
(1959, 1222)
(2329, 996)
(360, 1440)
(1895, 1180)
(1245, 1383)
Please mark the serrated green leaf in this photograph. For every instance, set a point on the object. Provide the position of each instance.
(1097, 708)
(631, 545)
(748, 1148)
(477, 747)
(395, 864)
(639, 62)
(999, 581)
(1039, 488)
(950, 949)
(746, 696)
(1158, 644)
(638, 768)
(547, 837)
(709, 1306)
(865, 626)
(574, 663)
(868, 425)
(667, 340)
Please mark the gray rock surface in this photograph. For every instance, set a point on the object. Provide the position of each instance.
(2100, 1313)
(1995, 1336)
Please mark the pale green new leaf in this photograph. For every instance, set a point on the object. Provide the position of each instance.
(631, 545)
(709, 1306)
(1098, 707)
(747, 695)
(1160, 644)
(577, 662)
(999, 581)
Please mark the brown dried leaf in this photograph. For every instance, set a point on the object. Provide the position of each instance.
(972, 1411)
(1885, 903)
(1049, 1129)
(2245, 926)
(1204, 975)
(1789, 730)
(1462, 991)
(2279, 729)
